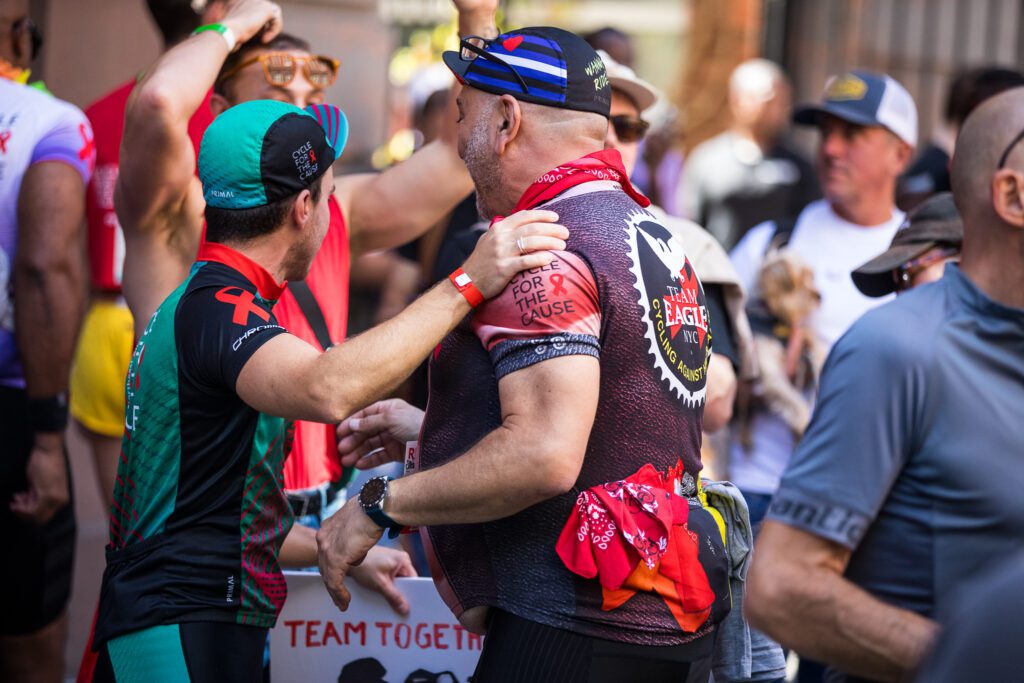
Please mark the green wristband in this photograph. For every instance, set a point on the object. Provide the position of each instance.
(224, 31)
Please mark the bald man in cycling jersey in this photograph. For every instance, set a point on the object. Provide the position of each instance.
(567, 410)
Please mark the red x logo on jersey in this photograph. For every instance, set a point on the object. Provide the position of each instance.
(243, 303)
(86, 153)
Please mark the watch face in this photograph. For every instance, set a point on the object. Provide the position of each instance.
(372, 493)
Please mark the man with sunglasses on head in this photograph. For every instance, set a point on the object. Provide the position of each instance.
(46, 159)
(868, 126)
(566, 409)
(907, 483)
(245, 57)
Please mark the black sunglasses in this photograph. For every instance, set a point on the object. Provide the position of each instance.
(629, 128)
(472, 47)
(1009, 148)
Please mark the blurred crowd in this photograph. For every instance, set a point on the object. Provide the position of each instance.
(872, 432)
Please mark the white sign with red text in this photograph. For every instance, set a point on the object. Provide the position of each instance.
(313, 641)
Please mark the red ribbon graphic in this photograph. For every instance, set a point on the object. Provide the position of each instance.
(243, 305)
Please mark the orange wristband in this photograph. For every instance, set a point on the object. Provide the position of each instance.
(466, 288)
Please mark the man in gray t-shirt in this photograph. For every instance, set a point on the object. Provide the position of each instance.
(908, 480)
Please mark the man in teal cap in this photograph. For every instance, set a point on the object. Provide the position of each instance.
(193, 581)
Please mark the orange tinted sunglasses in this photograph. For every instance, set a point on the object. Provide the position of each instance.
(279, 68)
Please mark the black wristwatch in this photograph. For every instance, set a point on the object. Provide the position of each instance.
(371, 499)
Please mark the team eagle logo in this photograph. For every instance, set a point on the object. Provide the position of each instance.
(674, 312)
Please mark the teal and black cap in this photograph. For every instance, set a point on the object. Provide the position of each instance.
(259, 152)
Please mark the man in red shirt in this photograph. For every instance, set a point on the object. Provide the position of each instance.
(105, 344)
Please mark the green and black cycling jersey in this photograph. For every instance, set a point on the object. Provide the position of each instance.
(199, 514)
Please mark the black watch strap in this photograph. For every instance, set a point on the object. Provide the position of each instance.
(381, 519)
(374, 508)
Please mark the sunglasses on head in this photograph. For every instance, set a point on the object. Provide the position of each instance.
(629, 128)
(472, 47)
(279, 68)
(1009, 148)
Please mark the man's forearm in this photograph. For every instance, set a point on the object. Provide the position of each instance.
(299, 548)
(822, 615)
(535, 454)
(49, 305)
(157, 159)
(49, 276)
(501, 475)
(369, 366)
(179, 80)
(480, 22)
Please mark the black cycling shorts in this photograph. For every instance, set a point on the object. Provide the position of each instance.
(521, 651)
(35, 580)
(196, 651)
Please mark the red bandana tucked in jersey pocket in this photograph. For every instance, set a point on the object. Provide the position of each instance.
(603, 165)
(632, 536)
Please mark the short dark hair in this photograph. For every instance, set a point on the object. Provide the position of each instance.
(972, 87)
(244, 225)
(603, 34)
(175, 19)
(281, 42)
(617, 44)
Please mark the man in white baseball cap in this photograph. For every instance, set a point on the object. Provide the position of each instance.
(868, 125)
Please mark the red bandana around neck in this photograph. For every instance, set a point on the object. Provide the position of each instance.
(603, 165)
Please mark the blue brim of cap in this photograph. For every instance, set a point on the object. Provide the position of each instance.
(810, 115)
(335, 125)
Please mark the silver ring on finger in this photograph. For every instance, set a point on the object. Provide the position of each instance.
(522, 248)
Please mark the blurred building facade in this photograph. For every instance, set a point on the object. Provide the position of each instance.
(686, 47)
(921, 43)
(91, 46)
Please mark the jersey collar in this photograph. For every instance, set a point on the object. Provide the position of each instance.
(267, 287)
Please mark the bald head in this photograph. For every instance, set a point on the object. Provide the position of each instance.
(759, 101)
(561, 126)
(979, 187)
(756, 77)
